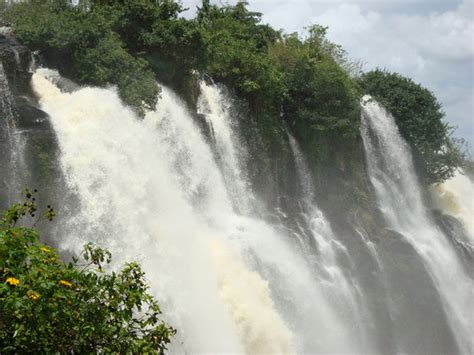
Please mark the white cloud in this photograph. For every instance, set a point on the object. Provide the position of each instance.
(436, 50)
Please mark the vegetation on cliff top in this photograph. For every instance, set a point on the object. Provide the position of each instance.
(48, 306)
(83, 45)
(306, 82)
(106, 42)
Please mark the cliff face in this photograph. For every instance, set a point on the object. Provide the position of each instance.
(18, 64)
(16, 60)
(27, 138)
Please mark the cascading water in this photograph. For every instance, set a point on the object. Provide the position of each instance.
(339, 289)
(12, 143)
(261, 238)
(155, 191)
(152, 191)
(455, 197)
(130, 193)
(215, 107)
(400, 199)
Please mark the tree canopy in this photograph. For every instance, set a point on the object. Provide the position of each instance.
(84, 43)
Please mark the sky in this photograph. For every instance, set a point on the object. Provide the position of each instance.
(430, 41)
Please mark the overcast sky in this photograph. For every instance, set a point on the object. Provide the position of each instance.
(430, 41)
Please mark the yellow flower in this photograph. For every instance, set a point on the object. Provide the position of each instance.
(12, 281)
(65, 283)
(46, 250)
(32, 295)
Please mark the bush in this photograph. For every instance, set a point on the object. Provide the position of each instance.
(236, 53)
(82, 43)
(320, 94)
(48, 306)
(420, 118)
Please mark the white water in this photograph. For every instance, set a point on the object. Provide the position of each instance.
(215, 107)
(343, 292)
(292, 278)
(320, 228)
(400, 199)
(151, 191)
(456, 198)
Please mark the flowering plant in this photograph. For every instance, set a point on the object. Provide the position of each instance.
(49, 306)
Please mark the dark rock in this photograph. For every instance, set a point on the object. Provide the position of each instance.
(16, 60)
(21, 117)
(29, 115)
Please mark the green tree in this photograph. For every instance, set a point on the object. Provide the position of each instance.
(48, 306)
(320, 94)
(154, 31)
(82, 43)
(420, 119)
(236, 46)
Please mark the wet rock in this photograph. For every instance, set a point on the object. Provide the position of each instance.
(16, 60)
(17, 66)
(27, 139)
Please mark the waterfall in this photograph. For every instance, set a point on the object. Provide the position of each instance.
(304, 173)
(343, 292)
(455, 197)
(151, 190)
(155, 190)
(12, 143)
(128, 177)
(217, 108)
(287, 267)
(400, 199)
(230, 152)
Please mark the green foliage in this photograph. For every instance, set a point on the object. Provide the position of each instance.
(48, 306)
(280, 76)
(132, 79)
(317, 39)
(82, 43)
(101, 42)
(420, 119)
(152, 29)
(306, 82)
(236, 45)
(320, 94)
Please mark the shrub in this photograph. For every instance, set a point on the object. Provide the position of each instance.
(49, 306)
(236, 44)
(82, 43)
